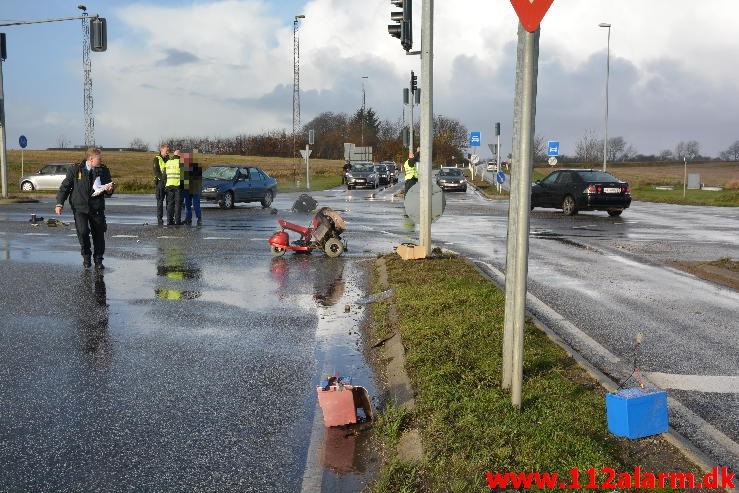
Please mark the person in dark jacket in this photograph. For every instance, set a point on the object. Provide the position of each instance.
(160, 161)
(86, 186)
(193, 183)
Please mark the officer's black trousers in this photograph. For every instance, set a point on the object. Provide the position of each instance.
(174, 205)
(88, 224)
(160, 200)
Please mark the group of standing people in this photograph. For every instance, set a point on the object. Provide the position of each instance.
(180, 182)
(88, 183)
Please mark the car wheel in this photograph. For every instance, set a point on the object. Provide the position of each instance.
(333, 247)
(277, 251)
(267, 200)
(568, 206)
(27, 186)
(615, 212)
(228, 200)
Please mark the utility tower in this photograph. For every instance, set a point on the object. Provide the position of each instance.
(296, 78)
(87, 68)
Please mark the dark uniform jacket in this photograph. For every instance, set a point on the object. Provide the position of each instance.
(77, 186)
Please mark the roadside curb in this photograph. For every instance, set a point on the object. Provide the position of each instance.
(400, 391)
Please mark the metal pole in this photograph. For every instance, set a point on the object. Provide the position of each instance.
(528, 112)
(685, 177)
(296, 90)
(511, 235)
(427, 131)
(497, 159)
(3, 154)
(307, 169)
(412, 102)
(608, 75)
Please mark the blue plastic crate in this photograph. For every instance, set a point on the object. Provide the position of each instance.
(636, 413)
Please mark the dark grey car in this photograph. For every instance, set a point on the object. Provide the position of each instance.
(362, 174)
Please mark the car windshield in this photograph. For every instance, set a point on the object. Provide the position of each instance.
(450, 172)
(219, 173)
(596, 176)
(363, 167)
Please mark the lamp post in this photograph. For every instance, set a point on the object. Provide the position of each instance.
(296, 78)
(364, 77)
(608, 74)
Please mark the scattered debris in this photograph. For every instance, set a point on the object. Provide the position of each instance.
(381, 342)
(374, 298)
(340, 400)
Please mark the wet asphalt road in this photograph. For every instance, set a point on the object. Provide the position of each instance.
(115, 384)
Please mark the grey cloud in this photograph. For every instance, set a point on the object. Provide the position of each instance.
(175, 58)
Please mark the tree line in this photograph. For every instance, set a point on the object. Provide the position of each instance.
(332, 131)
(589, 149)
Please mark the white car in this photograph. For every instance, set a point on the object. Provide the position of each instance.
(491, 166)
(50, 177)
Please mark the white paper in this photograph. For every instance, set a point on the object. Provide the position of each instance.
(97, 187)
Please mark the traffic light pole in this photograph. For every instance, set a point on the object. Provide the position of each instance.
(3, 154)
(427, 131)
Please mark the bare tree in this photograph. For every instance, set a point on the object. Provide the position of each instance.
(138, 144)
(540, 149)
(616, 146)
(588, 147)
(689, 150)
(732, 153)
(62, 141)
(666, 155)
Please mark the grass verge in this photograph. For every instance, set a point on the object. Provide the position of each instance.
(451, 319)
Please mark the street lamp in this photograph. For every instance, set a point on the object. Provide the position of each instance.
(608, 74)
(296, 77)
(363, 106)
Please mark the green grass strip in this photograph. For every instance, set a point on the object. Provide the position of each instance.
(451, 322)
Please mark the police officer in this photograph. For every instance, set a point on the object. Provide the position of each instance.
(172, 182)
(160, 161)
(86, 185)
(411, 169)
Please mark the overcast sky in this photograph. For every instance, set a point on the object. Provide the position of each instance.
(222, 68)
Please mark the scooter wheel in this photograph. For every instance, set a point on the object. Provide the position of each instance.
(333, 247)
(277, 251)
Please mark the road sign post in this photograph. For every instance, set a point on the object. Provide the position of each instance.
(306, 155)
(530, 13)
(23, 142)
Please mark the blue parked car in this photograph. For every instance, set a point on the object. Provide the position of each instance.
(228, 184)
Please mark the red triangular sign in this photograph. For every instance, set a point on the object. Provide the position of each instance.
(531, 12)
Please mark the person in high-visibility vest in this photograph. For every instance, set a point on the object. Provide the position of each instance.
(411, 169)
(160, 161)
(173, 174)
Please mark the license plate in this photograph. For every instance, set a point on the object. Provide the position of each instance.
(360, 181)
(612, 190)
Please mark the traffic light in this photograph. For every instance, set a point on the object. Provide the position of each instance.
(3, 50)
(414, 82)
(497, 129)
(402, 29)
(98, 34)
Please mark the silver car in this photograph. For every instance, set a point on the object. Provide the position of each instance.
(50, 177)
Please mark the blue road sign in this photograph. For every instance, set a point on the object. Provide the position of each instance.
(23, 141)
(500, 177)
(553, 148)
(474, 139)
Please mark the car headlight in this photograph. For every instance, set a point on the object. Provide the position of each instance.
(210, 189)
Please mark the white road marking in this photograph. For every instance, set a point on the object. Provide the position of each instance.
(699, 383)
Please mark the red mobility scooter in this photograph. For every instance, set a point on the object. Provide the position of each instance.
(324, 233)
